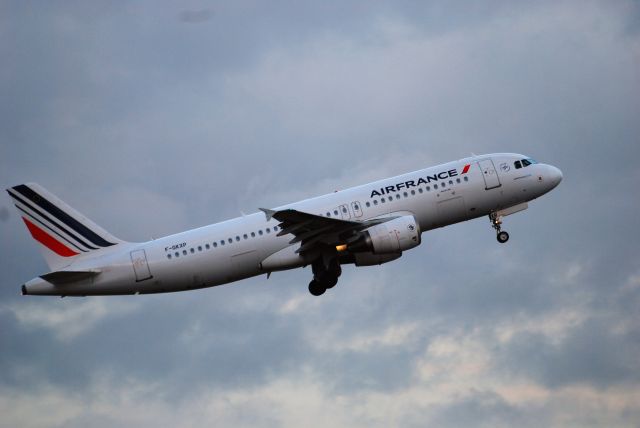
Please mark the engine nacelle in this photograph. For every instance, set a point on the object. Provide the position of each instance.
(394, 236)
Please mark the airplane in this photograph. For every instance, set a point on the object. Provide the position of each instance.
(365, 225)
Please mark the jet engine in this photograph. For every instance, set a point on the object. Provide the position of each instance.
(393, 236)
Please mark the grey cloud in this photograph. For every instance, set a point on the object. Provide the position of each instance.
(484, 409)
(4, 214)
(591, 353)
(196, 16)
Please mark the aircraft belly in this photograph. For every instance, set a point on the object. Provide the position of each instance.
(451, 210)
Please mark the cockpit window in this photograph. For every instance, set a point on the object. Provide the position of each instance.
(524, 163)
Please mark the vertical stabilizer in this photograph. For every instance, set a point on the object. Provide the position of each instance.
(62, 232)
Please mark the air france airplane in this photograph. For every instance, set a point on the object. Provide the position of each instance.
(366, 225)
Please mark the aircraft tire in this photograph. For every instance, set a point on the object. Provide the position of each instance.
(330, 281)
(317, 288)
(502, 237)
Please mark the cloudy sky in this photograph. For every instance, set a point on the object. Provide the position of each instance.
(153, 118)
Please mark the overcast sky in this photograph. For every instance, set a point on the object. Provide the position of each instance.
(152, 118)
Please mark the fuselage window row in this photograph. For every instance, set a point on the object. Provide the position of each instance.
(222, 242)
(406, 194)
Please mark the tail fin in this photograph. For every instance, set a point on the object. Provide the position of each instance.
(63, 233)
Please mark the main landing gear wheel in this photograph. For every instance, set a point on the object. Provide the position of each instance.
(325, 275)
(503, 237)
(327, 279)
(317, 288)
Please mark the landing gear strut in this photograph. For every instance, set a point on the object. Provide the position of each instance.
(496, 223)
(325, 275)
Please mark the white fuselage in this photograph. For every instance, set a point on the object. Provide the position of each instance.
(238, 248)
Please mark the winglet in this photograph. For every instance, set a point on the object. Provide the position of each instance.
(268, 213)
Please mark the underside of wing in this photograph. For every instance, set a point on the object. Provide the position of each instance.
(314, 231)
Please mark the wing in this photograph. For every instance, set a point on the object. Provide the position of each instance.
(315, 231)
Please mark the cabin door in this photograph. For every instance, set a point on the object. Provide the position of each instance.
(140, 265)
(491, 179)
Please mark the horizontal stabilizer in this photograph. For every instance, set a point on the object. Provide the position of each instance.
(66, 276)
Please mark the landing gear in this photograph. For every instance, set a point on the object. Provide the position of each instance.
(325, 275)
(502, 237)
(496, 223)
(316, 288)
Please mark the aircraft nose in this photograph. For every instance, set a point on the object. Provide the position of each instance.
(555, 175)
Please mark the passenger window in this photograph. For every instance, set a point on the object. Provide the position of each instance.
(413, 192)
(215, 245)
(458, 180)
(268, 230)
(193, 251)
(375, 202)
(335, 212)
(260, 232)
(368, 204)
(435, 186)
(344, 210)
(222, 242)
(466, 179)
(230, 241)
(253, 234)
(177, 254)
(207, 246)
(406, 195)
(275, 228)
(245, 236)
(184, 252)
(169, 256)
(328, 214)
(355, 207)
(443, 184)
(382, 200)
(199, 247)
(517, 164)
(420, 189)
(390, 198)
(451, 182)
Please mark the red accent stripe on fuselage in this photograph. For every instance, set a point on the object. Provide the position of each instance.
(466, 168)
(49, 241)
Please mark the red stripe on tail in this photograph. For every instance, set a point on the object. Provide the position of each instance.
(48, 241)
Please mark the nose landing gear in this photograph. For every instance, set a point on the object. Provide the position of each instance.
(496, 223)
